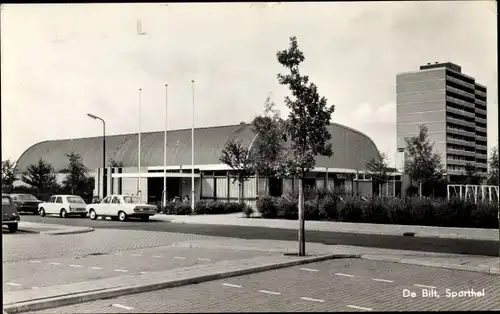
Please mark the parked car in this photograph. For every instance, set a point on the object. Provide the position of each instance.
(64, 206)
(121, 207)
(10, 215)
(25, 202)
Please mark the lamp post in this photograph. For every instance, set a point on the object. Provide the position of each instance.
(139, 192)
(103, 150)
(192, 154)
(164, 200)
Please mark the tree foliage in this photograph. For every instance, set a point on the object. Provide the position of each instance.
(9, 175)
(267, 148)
(76, 180)
(115, 164)
(422, 164)
(380, 170)
(237, 156)
(471, 175)
(306, 127)
(40, 176)
(493, 167)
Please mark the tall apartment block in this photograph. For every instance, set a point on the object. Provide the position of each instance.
(453, 107)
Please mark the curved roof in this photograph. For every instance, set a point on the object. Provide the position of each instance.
(351, 148)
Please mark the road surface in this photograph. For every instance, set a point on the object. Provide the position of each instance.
(456, 246)
(330, 286)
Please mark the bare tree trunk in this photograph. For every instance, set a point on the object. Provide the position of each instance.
(420, 189)
(240, 191)
(265, 185)
(302, 239)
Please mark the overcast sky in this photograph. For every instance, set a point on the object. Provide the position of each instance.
(62, 61)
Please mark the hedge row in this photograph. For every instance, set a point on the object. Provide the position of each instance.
(207, 207)
(409, 211)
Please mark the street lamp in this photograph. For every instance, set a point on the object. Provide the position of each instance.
(103, 150)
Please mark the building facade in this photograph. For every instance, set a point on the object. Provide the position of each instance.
(212, 179)
(452, 105)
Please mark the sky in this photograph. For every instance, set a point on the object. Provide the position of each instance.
(62, 61)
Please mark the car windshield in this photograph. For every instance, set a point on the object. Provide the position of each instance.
(27, 197)
(132, 199)
(75, 200)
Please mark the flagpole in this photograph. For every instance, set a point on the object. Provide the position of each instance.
(139, 193)
(165, 151)
(192, 154)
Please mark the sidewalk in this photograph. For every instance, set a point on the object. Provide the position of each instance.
(49, 229)
(238, 219)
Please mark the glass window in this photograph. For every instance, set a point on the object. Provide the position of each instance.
(115, 200)
(132, 199)
(75, 200)
(27, 197)
(59, 200)
(52, 199)
(14, 198)
(6, 200)
(106, 200)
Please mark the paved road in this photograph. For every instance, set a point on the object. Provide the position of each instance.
(34, 274)
(331, 286)
(456, 246)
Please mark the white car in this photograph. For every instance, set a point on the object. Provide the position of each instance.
(121, 207)
(64, 206)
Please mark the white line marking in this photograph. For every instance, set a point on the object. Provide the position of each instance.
(76, 266)
(124, 307)
(309, 269)
(96, 268)
(136, 254)
(311, 299)
(270, 292)
(34, 261)
(204, 259)
(34, 287)
(55, 263)
(230, 285)
(143, 272)
(382, 280)
(345, 275)
(179, 257)
(360, 308)
(121, 270)
(157, 256)
(424, 286)
(12, 284)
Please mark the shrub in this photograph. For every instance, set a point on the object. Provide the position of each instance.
(267, 207)
(328, 208)
(459, 213)
(287, 209)
(351, 209)
(248, 210)
(216, 207)
(376, 211)
(485, 215)
(200, 207)
(399, 212)
(178, 208)
(311, 210)
(230, 208)
(422, 212)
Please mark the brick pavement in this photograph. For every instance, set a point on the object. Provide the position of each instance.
(16, 247)
(20, 275)
(336, 285)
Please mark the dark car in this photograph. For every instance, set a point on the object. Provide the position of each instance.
(10, 216)
(26, 203)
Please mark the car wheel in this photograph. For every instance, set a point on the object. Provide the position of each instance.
(122, 216)
(145, 218)
(63, 213)
(12, 228)
(42, 212)
(92, 215)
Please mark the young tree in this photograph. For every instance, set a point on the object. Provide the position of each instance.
(380, 170)
(115, 164)
(9, 175)
(40, 176)
(423, 165)
(76, 179)
(493, 167)
(237, 156)
(471, 176)
(306, 127)
(268, 145)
